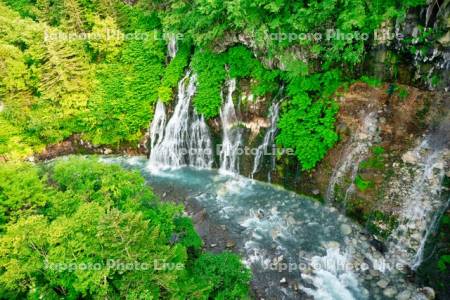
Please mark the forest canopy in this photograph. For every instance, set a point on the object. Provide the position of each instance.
(105, 88)
(80, 228)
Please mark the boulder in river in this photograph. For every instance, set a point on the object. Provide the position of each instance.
(345, 229)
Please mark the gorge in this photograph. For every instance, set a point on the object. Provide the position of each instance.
(228, 139)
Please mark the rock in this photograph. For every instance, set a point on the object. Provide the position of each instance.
(283, 280)
(260, 214)
(345, 229)
(223, 227)
(230, 244)
(199, 216)
(213, 245)
(390, 292)
(378, 245)
(316, 192)
(405, 295)
(409, 158)
(362, 136)
(445, 40)
(383, 283)
(290, 220)
(428, 293)
(107, 151)
(274, 233)
(332, 245)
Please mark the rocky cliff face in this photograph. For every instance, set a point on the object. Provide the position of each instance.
(388, 171)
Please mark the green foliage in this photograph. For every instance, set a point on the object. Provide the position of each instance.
(211, 70)
(211, 74)
(173, 73)
(102, 87)
(224, 274)
(186, 234)
(307, 121)
(371, 81)
(381, 224)
(22, 192)
(80, 229)
(362, 184)
(127, 88)
(444, 260)
(107, 185)
(376, 161)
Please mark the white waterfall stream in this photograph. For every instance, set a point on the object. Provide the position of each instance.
(158, 124)
(200, 146)
(232, 134)
(269, 138)
(185, 140)
(353, 155)
(172, 47)
(422, 206)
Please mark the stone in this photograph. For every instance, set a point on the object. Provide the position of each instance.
(390, 292)
(213, 245)
(230, 244)
(283, 280)
(274, 233)
(199, 216)
(290, 220)
(260, 214)
(383, 283)
(428, 293)
(107, 151)
(362, 136)
(345, 229)
(405, 295)
(316, 192)
(445, 40)
(333, 245)
(409, 158)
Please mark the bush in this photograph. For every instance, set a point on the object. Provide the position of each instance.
(227, 278)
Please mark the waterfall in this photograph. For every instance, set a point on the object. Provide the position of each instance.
(422, 205)
(172, 149)
(353, 155)
(232, 134)
(172, 46)
(182, 142)
(157, 126)
(200, 146)
(269, 138)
